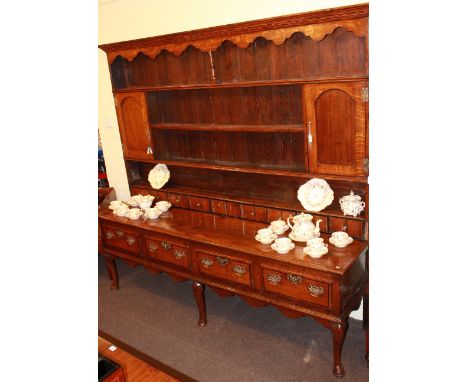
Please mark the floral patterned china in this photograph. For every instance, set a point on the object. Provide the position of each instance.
(315, 195)
(159, 176)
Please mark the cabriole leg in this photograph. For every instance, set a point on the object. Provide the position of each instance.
(112, 271)
(339, 331)
(199, 294)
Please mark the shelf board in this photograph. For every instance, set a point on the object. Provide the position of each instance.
(299, 128)
(242, 84)
(253, 170)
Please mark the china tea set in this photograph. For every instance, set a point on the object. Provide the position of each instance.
(144, 203)
(302, 230)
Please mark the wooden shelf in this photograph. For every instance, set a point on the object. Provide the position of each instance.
(245, 128)
(242, 84)
(305, 175)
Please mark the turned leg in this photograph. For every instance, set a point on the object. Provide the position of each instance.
(365, 320)
(112, 271)
(339, 333)
(199, 294)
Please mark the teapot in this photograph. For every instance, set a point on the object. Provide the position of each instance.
(303, 228)
(351, 204)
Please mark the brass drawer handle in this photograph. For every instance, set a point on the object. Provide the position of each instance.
(206, 262)
(222, 260)
(165, 245)
(130, 240)
(274, 279)
(109, 234)
(152, 246)
(179, 254)
(315, 290)
(239, 270)
(119, 233)
(294, 279)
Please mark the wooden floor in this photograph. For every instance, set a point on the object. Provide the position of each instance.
(135, 369)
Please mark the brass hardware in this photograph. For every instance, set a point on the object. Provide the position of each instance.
(149, 150)
(345, 227)
(206, 262)
(198, 204)
(119, 233)
(165, 245)
(274, 279)
(152, 247)
(315, 290)
(239, 270)
(365, 165)
(365, 94)
(309, 133)
(222, 260)
(294, 279)
(109, 234)
(177, 200)
(179, 254)
(130, 240)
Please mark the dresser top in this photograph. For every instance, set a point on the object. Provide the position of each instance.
(238, 235)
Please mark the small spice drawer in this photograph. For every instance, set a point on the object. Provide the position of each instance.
(121, 238)
(200, 204)
(233, 209)
(178, 200)
(167, 251)
(354, 228)
(139, 190)
(296, 286)
(218, 207)
(224, 267)
(251, 212)
(158, 195)
(274, 214)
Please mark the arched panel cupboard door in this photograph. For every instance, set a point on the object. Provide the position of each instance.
(336, 127)
(133, 124)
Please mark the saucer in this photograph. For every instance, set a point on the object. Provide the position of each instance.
(279, 232)
(292, 237)
(341, 244)
(268, 241)
(312, 252)
(275, 248)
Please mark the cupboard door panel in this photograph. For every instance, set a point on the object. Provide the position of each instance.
(337, 126)
(133, 124)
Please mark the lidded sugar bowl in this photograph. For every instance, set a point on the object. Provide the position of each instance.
(351, 204)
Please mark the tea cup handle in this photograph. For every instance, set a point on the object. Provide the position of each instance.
(289, 224)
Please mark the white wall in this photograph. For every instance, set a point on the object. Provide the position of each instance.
(121, 20)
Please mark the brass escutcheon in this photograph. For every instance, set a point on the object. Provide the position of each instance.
(315, 290)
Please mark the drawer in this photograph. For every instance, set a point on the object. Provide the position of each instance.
(224, 267)
(158, 195)
(296, 286)
(178, 200)
(200, 204)
(233, 209)
(274, 214)
(138, 190)
(121, 238)
(251, 212)
(354, 228)
(166, 251)
(218, 207)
